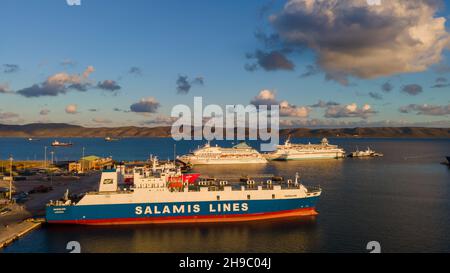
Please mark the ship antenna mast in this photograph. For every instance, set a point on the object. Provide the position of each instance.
(174, 153)
(288, 140)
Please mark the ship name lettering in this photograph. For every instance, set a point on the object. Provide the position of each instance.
(139, 210)
(196, 208)
(228, 207)
(178, 209)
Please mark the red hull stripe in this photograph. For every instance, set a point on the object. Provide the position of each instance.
(193, 219)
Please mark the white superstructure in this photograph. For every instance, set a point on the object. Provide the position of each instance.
(239, 154)
(290, 151)
(153, 187)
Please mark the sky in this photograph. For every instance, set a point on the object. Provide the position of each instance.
(327, 63)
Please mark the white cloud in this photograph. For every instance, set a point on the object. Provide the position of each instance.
(349, 111)
(58, 84)
(4, 88)
(427, 109)
(268, 98)
(265, 97)
(44, 112)
(289, 110)
(353, 38)
(333, 123)
(145, 105)
(72, 109)
(8, 115)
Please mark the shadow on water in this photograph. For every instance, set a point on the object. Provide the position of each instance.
(261, 236)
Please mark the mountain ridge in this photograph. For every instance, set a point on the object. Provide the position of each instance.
(68, 130)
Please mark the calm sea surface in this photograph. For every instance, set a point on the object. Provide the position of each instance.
(401, 200)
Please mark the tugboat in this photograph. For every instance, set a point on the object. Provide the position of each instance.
(56, 143)
(448, 161)
(367, 153)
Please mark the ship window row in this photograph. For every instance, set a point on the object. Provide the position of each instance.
(149, 186)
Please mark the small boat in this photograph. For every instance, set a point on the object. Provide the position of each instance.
(56, 143)
(448, 161)
(367, 153)
(32, 139)
(108, 139)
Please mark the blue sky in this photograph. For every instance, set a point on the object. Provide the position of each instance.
(207, 42)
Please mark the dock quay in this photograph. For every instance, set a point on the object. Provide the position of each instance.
(20, 216)
(15, 231)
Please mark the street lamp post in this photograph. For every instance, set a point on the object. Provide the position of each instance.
(45, 157)
(82, 161)
(10, 177)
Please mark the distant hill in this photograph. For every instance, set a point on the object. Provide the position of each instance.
(380, 132)
(67, 130)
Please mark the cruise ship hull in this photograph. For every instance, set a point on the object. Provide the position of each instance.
(222, 161)
(182, 212)
(284, 157)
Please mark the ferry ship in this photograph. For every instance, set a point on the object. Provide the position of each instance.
(290, 151)
(154, 200)
(238, 154)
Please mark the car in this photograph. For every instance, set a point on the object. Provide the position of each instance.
(40, 189)
(5, 211)
(20, 197)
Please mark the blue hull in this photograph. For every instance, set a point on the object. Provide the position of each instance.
(211, 211)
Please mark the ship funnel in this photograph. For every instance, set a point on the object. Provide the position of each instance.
(108, 181)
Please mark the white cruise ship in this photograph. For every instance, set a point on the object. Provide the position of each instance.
(290, 151)
(215, 155)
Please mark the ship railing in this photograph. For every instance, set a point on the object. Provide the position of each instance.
(313, 189)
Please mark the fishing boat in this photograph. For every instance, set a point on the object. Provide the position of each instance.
(448, 161)
(56, 143)
(367, 153)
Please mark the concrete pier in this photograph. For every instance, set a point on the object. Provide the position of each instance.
(10, 233)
